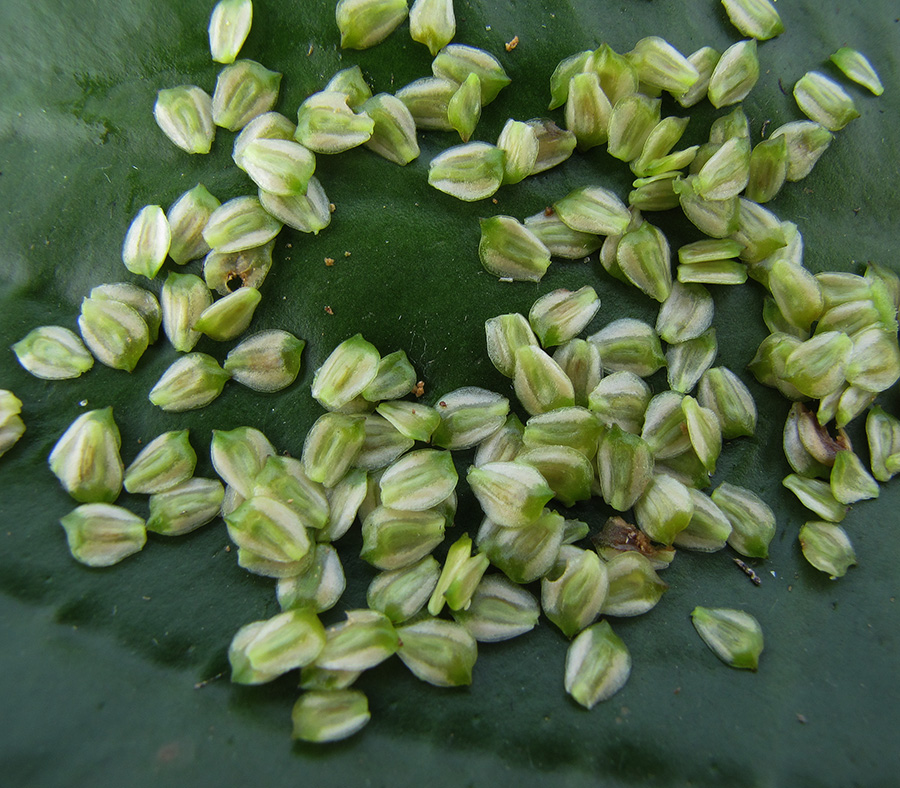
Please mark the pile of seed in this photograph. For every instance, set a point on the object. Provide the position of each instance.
(595, 428)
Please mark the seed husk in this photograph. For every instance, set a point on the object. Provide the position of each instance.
(365, 23)
(230, 316)
(573, 592)
(724, 393)
(469, 172)
(433, 23)
(634, 586)
(629, 345)
(191, 382)
(239, 455)
(394, 133)
(226, 272)
(331, 446)
(86, 458)
(283, 479)
(752, 520)
(643, 257)
(560, 78)
(827, 547)
(621, 398)
(53, 353)
(632, 120)
(581, 361)
(755, 18)
(662, 66)
(665, 509)
(618, 536)
(268, 126)
(344, 502)
(263, 650)
(824, 101)
(185, 116)
(734, 636)
(266, 362)
(147, 242)
(229, 26)
(806, 142)
(588, 111)
(539, 382)
(816, 496)
(857, 67)
(329, 715)
(270, 529)
(593, 209)
(438, 652)
(244, 90)
(503, 446)
(704, 60)
(165, 462)
(100, 534)
(598, 665)
(688, 361)
(505, 334)
(686, 314)
(708, 529)
(624, 468)
(560, 239)
(883, 435)
(428, 100)
(850, 481)
(555, 145)
(393, 539)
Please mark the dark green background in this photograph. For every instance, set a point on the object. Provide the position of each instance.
(97, 668)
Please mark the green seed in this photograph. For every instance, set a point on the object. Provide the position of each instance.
(567, 471)
(184, 508)
(856, 66)
(312, 677)
(510, 250)
(688, 361)
(100, 534)
(561, 240)
(708, 530)
(241, 223)
(229, 26)
(643, 257)
(819, 365)
(147, 242)
(86, 458)
(319, 586)
(618, 77)
(662, 66)
(428, 100)
(555, 145)
(723, 392)
(621, 399)
(704, 431)
(270, 529)
(499, 610)
(281, 167)
(345, 374)
(283, 480)
(469, 415)
(468, 172)
(624, 468)
(327, 124)
(511, 494)
(704, 60)
(883, 434)
(433, 23)
(225, 272)
(824, 101)
(874, 362)
(268, 126)
(581, 361)
(165, 462)
(658, 145)
(344, 502)
(734, 636)
(364, 640)
(632, 121)
(519, 143)
(264, 650)
(395, 378)
(503, 446)
(394, 133)
(464, 107)
(752, 520)
(664, 428)
(115, 332)
(266, 362)
(735, 74)
(244, 90)
(726, 173)
(351, 82)
(806, 142)
(827, 547)
(665, 509)
(629, 345)
(185, 116)
(308, 213)
(597, 665)
(686, 314)
(588, 111)
(459, 577)
(365, 23)
(191, 382)
(505, 335)
(439, 652)
(401, 593)
(573, 592)
(593, 209)
(419, 480)
(539, 382)
(797, 293)
(411, 419)
(456, 61)
(523, 554)
(574, 427)
(187, 217)
(53, 353)
(329, 715)
(393, 539)
(634, 586)
(230, 316)
(11, 425)
(716, 218)
(755, 18)
(769, 165)
(561, 77)
(331, 447)
(239, 455)
(850, 482)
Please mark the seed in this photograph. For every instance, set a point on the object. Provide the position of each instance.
(329, 715)
(244, 90)
(308, 213)
(459, 577)
(115, 332)
(629, 345)
(643, 257)
(573, 592)
(364, 640)
(752, 520)
(469, 415)
(827, 547)
(726, 173)
(816, 496)
(331, 446)
(580, 360)
(624, 468)
(86, 458)
(621, 399)
(401, 593)
(708, 529)
(755, 18)
(734, 636)
(186, 507)
(264, 650)
(634, 586)
(439, 652)
(723, 392)
(351, 367)
(53, 353)
(555, 145)
(394, 133)
(567, 471)
(593, 209)
(352, 84)
(226, 272)
(282, 479)
(633, 119)
(365, 23)
(193, 381)
(281, 167)
(660, 65)
(464, 107)
(266, 362)
(344, 502)
(239, 455)
(100, 534)
(688, 361)
(393, 539)
(657, 146)
(618, 77)
(797, 293)
(11, 425)
(468, 172)
(239, 224)
(268, 126)
(505, 335)
(561, 240)
(318, 587)
(597, 665)
(499, 610)
(519, 143)
(539, 382)
(735, 74)
(411, 419)
(819, 365)
(270, 529)
(456, 61)
(183, 299)
(665, 509)
(664, 428)
(229, 26)
(523, 554)
(850, 482)
(704, 60)
(883, 434)
(432, 22)
(588, 110)
(574, 427)
(185, 116)
(503, 446)
(806, 142)
(428, 100)
(165, 462)
(511, 494)
(230, 316)
(561, 77)
(687, 313)
(856, 66)
(716, 218)
(147, 242)
(821, 99)
(874, 362)
(327, 124)
(704, 431)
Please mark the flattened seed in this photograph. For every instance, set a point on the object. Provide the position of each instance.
(100, 534)
(244, 90)
(329, 715)
(53, 353)
(229, 26)
(185, 116)
(191, 382)
(147, 242)
(365, 23)
(597, 665)
(86, 458)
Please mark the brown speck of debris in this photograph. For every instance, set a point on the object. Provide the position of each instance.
(511, 45)
(754, 578)
(442, 404)
(419, 388)
(332, 207)
(677, 691)
(309, 51)
(228, 548)
(346, 254)
(494, 200)
(802, 719)
(329, 310)
(548, 211)
(329, 261)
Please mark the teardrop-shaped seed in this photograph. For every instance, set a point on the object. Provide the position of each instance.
(883, 435)
(230, 316)
(468, 416)
(511, 494)
(464, 107)
(432, 22)
(365, 23)
(167, 461)
(244, 90)
(660, 65)
(187, 217)
(624, 468)
(735, 74)
(456, 61)
(686, 314)
(468, 172)
(560, 239)
(331, 446)
(593, 209)
(185, 115)
(428, 100)
(621, 399)
(191, 382)
(816, 496)
(523, 554)
(229, 26)
(86, 458)
(629, 345)
(597, 665)
(633, 119)
(634, 586)
(643, 256)
(539, 382)
(53, 353)
(806, 142)
(755, 18)
(857, 67)
(560, 78)
(183, 299)
(573, 592)
(327, 124)
(401, 593)
(437, 651)
(418, 480)
(708, 529)
(687, 361)
(393, 538)
(752, 520)
(734, 636)
(499, 610)
(100, 534)
(555, 145)
(724, 393)
(266, 362)
(581, 361)
(704, 60)
(665, 509)
(850, 481)
(827, 547)
(505, 334)
(281, 167)
(821, 99)
(345, 374)
(147, 242)
(329, 715)
(263, 650)
(186, 507)
(241, 223)
(394, 133)
(588, 111)
(226, 272)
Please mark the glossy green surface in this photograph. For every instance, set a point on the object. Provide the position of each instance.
(98, 667)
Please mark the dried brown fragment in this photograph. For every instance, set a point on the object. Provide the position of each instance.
(622, 536)
(754, 578)
(511, 45)
(329, 261)
(419, 389)
(817, 440)
(329, 310)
